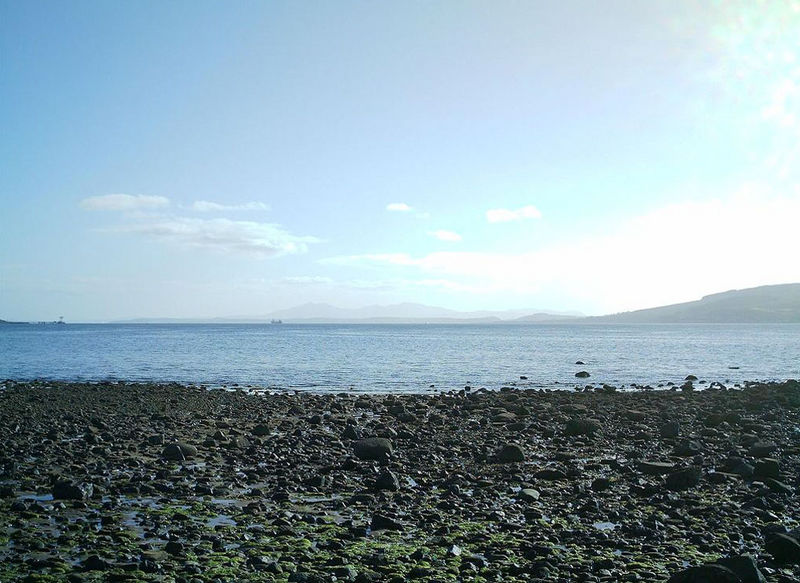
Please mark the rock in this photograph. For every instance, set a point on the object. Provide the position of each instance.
(582, 374)
(705, 574)
(767, 468)
(600, 484)
(528, 495)
(656, 468)
(383, 522)
(70, 490)
(510, 453)
(582, 427)
(261, 430)
(95, 563)
(580, 362)
(174, 547)
(550, 474)
(372, 448)
(690, 377)
(784, 549)
(762, 449)
(745, 568)
(778, 487)
(687, 448)
(669, 429)
(684, 479)
(387, 481)
(351, 432)
(179, 451)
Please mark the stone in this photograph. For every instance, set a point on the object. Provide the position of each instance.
(510, 453)
(387, 481)
(372, 448)
(550, 474)
(582, 427)
(70, 490)
(179, 452)
(745, 568)
(528, 495)
(261, 430)
(95, 563)
(784, 549)
(778, 487)
(762, 449)
(687, 448)
(705, 574)
(383, 522)
(174, 547)
(656, 468)
(582, 374)
(669, 429)
(767, 468)
(684, 479)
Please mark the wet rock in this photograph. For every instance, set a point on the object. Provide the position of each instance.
(70, 490)
(174, 547)
(550, 474)
(260, 430)
(179, 451)
(528, 495)
(778, 487)
(655, 468)
(372, 448)
(581, 426)
(95, 563)
(387, 481)
(705, 574)
(784, 549)
(744, 566)
(383, 522)
(510, 453)
(767, 468)
(688, 448)
(684, 479)
(582, 374)
(669, 429)
(762, 449)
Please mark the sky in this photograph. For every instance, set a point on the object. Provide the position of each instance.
(202, 159)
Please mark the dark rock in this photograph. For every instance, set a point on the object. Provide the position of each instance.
(550, 474)
(669, 429)
(179, 451)
(582, 374)
(261, 430)
(745, 568)
(778, 487)
(95, 563)
(688, 448)
(762, 449)
(705, 574)
(387, 481)
(656, 468)
(383, 522)
(767, 468)
(70, 490)
(174, 547)
(528, 495)
(784, 549)
(582, 427)
(684, 479)
(372, 448)
(510, 453)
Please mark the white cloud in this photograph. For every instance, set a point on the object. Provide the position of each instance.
(261, 239)
(398, 207)
(305, 280)
(123, 202)
(205, 206)
(506, 215)
(449, 236)
(673, 254)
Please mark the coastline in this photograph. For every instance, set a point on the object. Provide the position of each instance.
(512, 485)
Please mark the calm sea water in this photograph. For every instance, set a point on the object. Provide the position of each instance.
(379, 358)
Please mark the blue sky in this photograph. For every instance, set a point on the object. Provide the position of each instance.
(212, 159)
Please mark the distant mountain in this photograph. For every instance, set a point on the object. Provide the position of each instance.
(765, 304)
(320, 313)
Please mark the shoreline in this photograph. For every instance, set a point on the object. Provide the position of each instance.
(169, 482)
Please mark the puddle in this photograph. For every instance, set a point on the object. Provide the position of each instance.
(605, 525)
(36, 497)
(220, 520)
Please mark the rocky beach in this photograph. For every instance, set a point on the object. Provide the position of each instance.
(165, 482)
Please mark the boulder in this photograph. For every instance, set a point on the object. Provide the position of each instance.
(784, 549)
(372, 448)
(70, 490)
(581, 426)
(510, 453)
(684, 479)
(179, 451)
(705, 574)
(656, 468)
(582, 374)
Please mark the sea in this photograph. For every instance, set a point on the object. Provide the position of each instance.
(401, 358)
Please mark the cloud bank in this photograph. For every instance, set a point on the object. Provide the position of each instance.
(398, 207)
(448, 236)
(224, 235)
(676, 253)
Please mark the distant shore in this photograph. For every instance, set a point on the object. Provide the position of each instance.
(119, 481)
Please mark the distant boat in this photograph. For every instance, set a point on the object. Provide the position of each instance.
(276, 321)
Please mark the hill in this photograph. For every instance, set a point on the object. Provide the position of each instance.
(765, 304)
